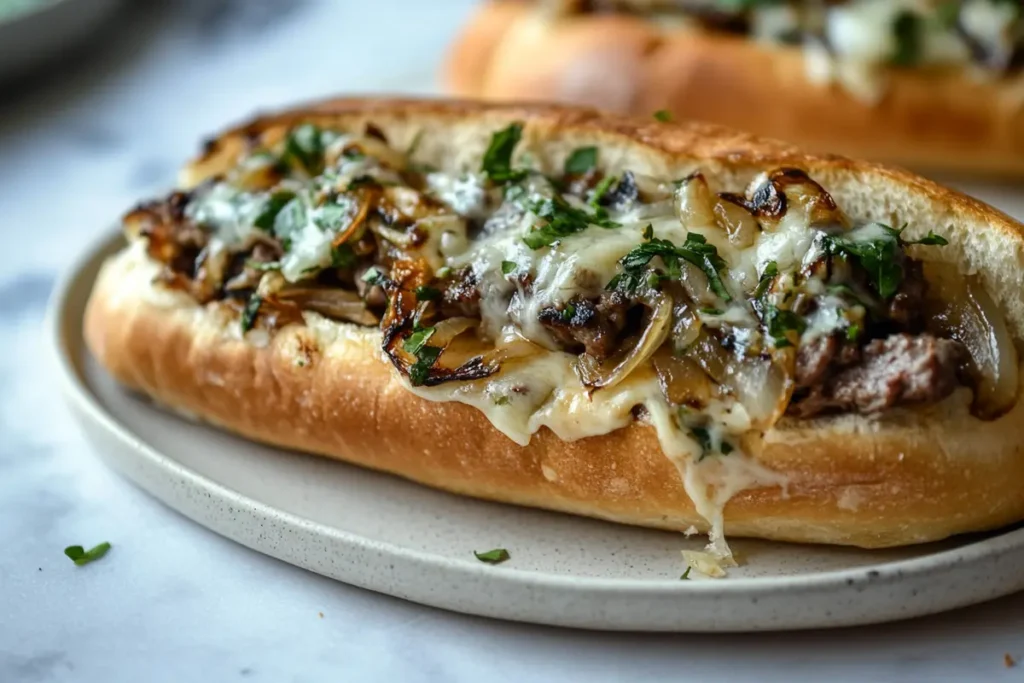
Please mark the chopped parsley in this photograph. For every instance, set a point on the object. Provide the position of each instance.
(663, 115)
(771, 270)
(695, 250)
(908, 30)
(601, 190)
(568, 313)
(509, 267)
(80, 556)
(707, 445)
(852, 332)
(931, 239)
(373, 276)
(781, 323)
(496, 556)
(416, 345)
(290, 219)
(582, 160)
(881, 256)
(333, 216)
(304, 147)
(252, 308)
(502, 400)
(425, 293)
(271, 207)
(497, 161)
(342, 256)
(560, 220)
(686, 574)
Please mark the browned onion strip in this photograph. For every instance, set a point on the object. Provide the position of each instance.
(682, 381)
(961, 309)
(694, 202)
(331, 302)
(368, 198)
(597, 374)
(763, 386)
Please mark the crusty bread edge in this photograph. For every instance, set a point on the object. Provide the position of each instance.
(948, 122)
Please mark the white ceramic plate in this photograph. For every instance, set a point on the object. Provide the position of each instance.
(389, 535)
(46, 29)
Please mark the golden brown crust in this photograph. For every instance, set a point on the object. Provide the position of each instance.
(927, 120)
(913, 476)
(871, 483)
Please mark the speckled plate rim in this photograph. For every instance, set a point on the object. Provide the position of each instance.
(867, 594)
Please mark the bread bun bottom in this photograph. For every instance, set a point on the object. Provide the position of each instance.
(942, 121)
(323, 388)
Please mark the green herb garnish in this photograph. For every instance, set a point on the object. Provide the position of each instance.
(663, 115)
(496, 556)
(342, 256)
(271, 207)
(908, 30)
(502, 400)
(289, 219)
(509, 267)
(707, 446)
(416, 345)
(695, 250)
(601, 190)
(80, 556)
(852, 332)
(497, 161)
(561, 220)
(425, 293)
(931, 239)
(373, 276)
(686, 574)
(304, 147)
(252, 308)
(770, 272)
(780, 323)
(334, 216)
(581, 160)
(417, 340)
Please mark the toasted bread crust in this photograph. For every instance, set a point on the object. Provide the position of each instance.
(907, 477)
(938, 121)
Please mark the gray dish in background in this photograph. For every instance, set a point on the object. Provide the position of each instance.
(41, 32)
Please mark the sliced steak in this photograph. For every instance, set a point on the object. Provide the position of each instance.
(461, 296)
(592, 326)
(900, 369)
(906, 309)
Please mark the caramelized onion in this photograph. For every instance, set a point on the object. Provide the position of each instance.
(737, 221)
(763, 386)
(773, 195)
(961, 309)
(694, 202)
(597, 374)
(367, 146)
(682, 381)
(686, 325)
(331, 302)
(367, 198)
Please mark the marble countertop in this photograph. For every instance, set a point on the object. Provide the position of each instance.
(175, 602)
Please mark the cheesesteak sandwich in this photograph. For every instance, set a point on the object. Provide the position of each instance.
(674, 326)
(933, 84)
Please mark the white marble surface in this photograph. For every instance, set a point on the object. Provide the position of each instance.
(174, 602)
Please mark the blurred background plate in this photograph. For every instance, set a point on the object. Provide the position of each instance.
(34, 32)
